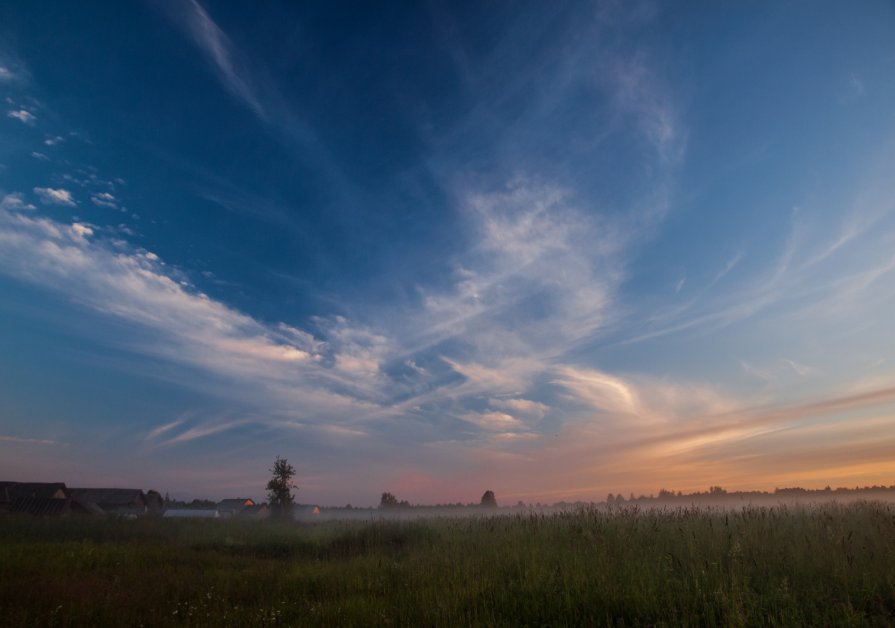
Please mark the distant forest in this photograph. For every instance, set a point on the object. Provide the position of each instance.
(714, 493)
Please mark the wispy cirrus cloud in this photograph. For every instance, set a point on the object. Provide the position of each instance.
(490, 345)
(815, 279)
(162, 429)
(279, 361)
(648, 433)
(251, 85)
(220, 52)
(24, 440)
(639, 93)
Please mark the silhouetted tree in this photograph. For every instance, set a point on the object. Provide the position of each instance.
(388, 501)
(488, 500)
(279, 488)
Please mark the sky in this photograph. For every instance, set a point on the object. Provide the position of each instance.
(554, 250)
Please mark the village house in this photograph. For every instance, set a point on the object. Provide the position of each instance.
(118, 501)
(130, 502)
(45, 499)
(10, 491)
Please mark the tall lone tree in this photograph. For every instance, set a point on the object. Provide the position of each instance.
(279, 488)
(488, 500)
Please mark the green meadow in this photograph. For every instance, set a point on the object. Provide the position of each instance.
(823, 565)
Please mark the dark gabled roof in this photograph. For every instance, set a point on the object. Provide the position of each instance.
(47, 490)
(41, 506)
(109, 497)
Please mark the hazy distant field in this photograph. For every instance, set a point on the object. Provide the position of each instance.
(824, 565)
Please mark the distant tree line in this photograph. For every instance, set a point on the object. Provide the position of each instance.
(718, 492)
(388, 500)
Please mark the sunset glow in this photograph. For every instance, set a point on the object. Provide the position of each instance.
(551, 250)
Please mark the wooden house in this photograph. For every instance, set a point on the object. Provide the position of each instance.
(12, 491)
(114, 501)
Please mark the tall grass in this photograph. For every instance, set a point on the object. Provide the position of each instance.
(826, 565)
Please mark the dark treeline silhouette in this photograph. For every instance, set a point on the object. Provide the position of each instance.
(196, 504)
(712, 494)
(388, 501)
(720, 493)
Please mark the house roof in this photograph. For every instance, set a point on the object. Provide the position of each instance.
(44, 506)
(109, 496)
(48, 490)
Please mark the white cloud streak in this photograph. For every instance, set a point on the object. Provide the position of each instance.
(530, 245)
(22, 440)
(282, 363)
(104, 199)
(22, 115)
(15, 201)
(55, 196)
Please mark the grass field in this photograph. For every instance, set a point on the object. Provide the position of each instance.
(827, 565)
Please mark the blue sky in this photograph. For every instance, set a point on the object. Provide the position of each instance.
(554, 250)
